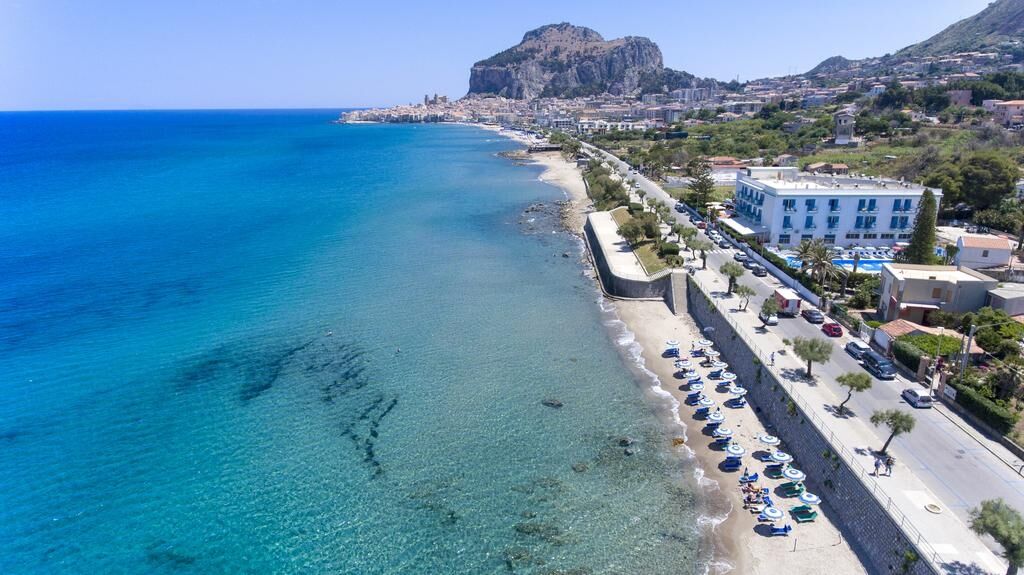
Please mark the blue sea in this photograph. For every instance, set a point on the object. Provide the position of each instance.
(260, 342)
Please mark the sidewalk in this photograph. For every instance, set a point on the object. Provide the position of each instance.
(620, 256)
(948, 542)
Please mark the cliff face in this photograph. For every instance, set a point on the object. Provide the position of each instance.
(565, 60)
(1002, 20)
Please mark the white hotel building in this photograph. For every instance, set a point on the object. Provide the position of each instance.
(784, 206)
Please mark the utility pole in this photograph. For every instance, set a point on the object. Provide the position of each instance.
(967, 351)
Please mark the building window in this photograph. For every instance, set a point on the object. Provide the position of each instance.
(862, 205)
(789, 205)
(870, 222)
(860, 222)
(812, 205)
(907, 204)
(936, 293)
(833, 205)
(894, 222)
(833, 222)
(904, 222)
(888, 236)
(809, 222)
(830, 239)
(897, 205)
(903, 237)
(984, 253)
(853, 236)
(783, 238)
(872, 205)
(787, 223)
(870, 236)
(807, 237)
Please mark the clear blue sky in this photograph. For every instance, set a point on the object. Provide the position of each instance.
(107, 54)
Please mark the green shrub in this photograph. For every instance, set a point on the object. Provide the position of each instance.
(907, 354)
(1001, 419)
(875, 324)
(669, 249)
(928, 343)
(635, 208)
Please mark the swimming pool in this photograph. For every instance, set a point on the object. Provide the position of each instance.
(864, 265)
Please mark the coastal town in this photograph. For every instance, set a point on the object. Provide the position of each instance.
(851, 272)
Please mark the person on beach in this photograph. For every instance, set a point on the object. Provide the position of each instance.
(878, 466)
(771, 360)
(889, 462)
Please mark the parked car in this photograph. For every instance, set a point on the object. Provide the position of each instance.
(768, 319)
(695, 219)
(759, 271)
(813, 316)
(878, 366)
(832, 329)
(857, 348)
(916, 398)
(724, 244)
(701, 225)
(740, 257)
(680, 207)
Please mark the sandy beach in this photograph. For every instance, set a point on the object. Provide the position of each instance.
(810, 548)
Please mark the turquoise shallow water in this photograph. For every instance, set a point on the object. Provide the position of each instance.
(200, 318)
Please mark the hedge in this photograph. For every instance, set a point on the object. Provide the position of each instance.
(635, 208)
(669, 249)
(907, 354)
(1001, 419)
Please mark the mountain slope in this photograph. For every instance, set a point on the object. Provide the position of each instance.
(1001, 21)
(562, 60)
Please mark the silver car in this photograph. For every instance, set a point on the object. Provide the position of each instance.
(916, 398)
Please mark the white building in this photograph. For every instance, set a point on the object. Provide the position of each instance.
(784, 206)
(980, 252)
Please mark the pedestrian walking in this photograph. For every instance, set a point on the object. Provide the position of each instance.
(878, 467)
(889, 462)
(771, 360)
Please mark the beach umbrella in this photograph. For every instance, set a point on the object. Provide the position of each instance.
(672, 343)
(692, 373)
(692, 376)
(696, 387)
(738, 391)
(719, 365)
(769, 440)
(809, 498)
(781, 457)
(712, 353)
(706, 402)
(794, 474)
(773, 513)
(728, 376)
(735, 450)
(705, 342)
(722, 432)
(683, 364)
(716, 417)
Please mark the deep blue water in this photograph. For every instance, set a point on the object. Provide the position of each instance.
(200, 318)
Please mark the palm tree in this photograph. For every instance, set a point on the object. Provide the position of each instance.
(852, 382)
(1004, 524)
(898, 422)
(745, 292)
(812, 350)
(733, 271)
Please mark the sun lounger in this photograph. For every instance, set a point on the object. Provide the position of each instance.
(783, 531)
(793, 491)
(749, 478)
(804, 514)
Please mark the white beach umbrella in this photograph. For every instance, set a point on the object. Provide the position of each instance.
(672, 343)
(712, 353)
(719, 365)
(781, 457)
(769, 440)
(696, 387)
(772, 513)
(683, 364)
(706, 402)
(691, 373)
(809, 498)
(728, 376)
(735, 450)
(722, 432)
(794, 474)
(738, 391)
(716, 417)
(705, 342)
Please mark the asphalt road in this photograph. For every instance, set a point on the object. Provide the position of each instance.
(960, 469)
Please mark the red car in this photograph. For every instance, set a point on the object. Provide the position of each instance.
(701, 225)
(832, 329)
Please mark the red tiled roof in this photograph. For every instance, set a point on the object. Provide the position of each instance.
(985, 242)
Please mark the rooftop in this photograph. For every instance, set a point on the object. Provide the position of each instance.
(942, 273)
(985, 242)
(788, 179)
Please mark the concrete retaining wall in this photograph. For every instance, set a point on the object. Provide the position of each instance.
(878, 533)
(666, 285)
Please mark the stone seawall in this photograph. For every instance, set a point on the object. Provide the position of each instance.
(884, 543)
(667, 285)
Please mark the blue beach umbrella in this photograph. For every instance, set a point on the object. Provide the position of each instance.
(712, 353)
(716, 417)
(706, 402)
(769, 440)
(696, 387)
(705, 342)
(809, 498)
(738, 391)
(794, 474)
(722, 432)
(735, 450)
(781, 457)
(728, 376)
(683, 364)
(719, 365)
(772, 513)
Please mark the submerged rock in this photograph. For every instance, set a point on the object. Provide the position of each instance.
(626, 441)
(580, 467)
(554, 403)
